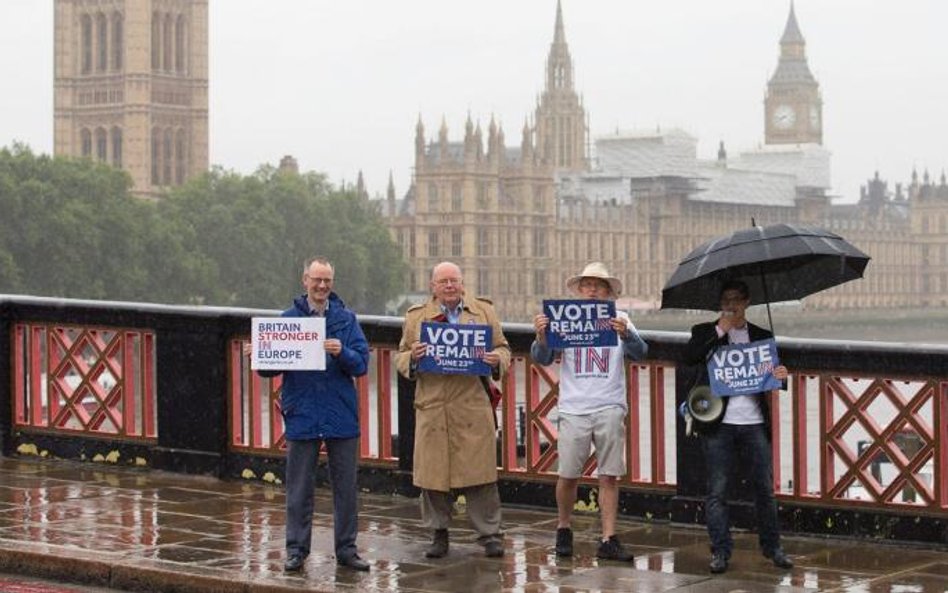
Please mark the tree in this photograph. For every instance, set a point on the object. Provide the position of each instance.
(70, 228)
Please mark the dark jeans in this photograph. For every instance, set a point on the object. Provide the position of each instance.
(721, 448)
(301, 459)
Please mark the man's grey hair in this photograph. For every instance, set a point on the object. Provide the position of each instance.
(318, 260)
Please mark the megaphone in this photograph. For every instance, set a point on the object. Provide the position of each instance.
(703, 405)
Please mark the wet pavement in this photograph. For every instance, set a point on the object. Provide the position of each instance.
(143, 530)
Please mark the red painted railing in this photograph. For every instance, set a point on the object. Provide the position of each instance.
(257, 426)
(860, 437)
(92, 380)
(647, 442)
(526, 417)
(871, 440)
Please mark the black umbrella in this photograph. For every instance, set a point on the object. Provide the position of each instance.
(780, 262)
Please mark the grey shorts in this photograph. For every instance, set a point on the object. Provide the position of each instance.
(605, 429)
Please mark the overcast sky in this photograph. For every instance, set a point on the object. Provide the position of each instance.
(340, 84)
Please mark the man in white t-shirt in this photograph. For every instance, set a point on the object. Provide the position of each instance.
(743, 426)
(592, 410)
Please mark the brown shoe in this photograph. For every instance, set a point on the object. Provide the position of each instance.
(439, 545)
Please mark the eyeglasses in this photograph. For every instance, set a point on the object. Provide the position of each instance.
(318, 281)
(593, 283)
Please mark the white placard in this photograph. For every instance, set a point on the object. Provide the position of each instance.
(288, 343)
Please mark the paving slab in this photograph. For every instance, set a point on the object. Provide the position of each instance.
(140, 530)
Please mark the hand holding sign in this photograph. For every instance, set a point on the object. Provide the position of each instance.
(333, 346)
(492, 358)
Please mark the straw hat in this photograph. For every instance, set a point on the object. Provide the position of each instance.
(595, 270)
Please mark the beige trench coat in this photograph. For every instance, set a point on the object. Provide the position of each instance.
(454, 425)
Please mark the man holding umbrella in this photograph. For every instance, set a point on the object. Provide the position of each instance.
(779, 262)
(744, 425)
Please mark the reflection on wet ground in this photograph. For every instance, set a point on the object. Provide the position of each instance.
(157, 531)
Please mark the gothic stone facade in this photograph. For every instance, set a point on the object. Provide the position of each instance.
(131, 87)
(521, 222)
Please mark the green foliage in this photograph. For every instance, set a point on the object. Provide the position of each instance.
(70, 228)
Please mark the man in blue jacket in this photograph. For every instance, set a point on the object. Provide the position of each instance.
(322, 407)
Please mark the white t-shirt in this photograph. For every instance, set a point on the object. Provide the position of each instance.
(742, 409)
(592, 379)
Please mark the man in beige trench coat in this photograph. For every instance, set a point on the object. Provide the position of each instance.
(454, 423)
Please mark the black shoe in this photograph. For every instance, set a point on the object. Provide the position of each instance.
(718, 563)
(780, 559)
(564, 541)
(294, 563)
(354, 562)
(494, 549)
(611, 549)
(439, 545)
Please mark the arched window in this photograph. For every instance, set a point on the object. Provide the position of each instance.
(155, 41)
(117, 146)
(118, 41)
(86, 43)
(102, 43)
(166, 159)
(85, 138)
(179, 44)
(180, 153)
(166, 47)
(101, 144)
(155, 156)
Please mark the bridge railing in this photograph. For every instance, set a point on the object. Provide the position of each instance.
(862, 425)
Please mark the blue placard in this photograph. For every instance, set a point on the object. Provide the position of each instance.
(580, 323)
(455, 349)
(744, 369)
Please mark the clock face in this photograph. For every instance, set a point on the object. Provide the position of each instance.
(814, 117)
(784, 117)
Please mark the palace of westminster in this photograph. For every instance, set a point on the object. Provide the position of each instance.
(131, 88)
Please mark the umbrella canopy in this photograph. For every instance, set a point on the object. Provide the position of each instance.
(781, 262)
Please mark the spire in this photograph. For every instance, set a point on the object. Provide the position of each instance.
(360, 187)
(559, 32)
(791, 33)
(443, 138)
(526, 143)
(793, 67)
(390, 194)
(559, 64)
(478, 141)
(561, 134)
(419, 139)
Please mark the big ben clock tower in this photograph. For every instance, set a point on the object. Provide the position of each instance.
(793, 108)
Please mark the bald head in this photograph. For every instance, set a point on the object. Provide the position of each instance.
(447, 283)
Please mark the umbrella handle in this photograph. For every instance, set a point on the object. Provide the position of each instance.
(763, 282)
